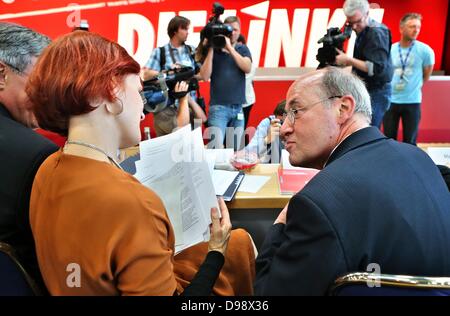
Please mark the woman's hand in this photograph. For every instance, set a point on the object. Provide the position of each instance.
(220, 228)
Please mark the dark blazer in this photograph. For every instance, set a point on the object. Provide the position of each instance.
(22, 151)
(376, 201)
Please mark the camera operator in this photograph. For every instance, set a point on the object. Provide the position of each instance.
(226, 68)
(266, 140)
(371, 58)
(167, 120)
(174, 54)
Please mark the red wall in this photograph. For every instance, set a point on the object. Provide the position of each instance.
(446, 54)
(105, 20)
(436, 113)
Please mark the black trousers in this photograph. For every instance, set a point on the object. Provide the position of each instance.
(410, 116)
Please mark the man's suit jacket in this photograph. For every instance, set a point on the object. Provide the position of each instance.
(21, 153)
(376, 201)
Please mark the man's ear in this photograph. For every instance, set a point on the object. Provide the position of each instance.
(346, 108)
(3, 76)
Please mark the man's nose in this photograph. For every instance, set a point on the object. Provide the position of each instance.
(285, 128)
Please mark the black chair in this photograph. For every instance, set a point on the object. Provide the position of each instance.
(14, 280)
(369, 284)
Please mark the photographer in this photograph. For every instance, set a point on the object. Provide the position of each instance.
(226, 68)
(174, 54)
(371, 58)
(171, 117)
(266, 141)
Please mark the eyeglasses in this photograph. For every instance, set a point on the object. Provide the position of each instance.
(292, 113)
(357, 22)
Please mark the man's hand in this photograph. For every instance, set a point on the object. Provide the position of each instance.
(176, 66)
(181, 88)
(342, 59)
(228, 45)
(274, 131)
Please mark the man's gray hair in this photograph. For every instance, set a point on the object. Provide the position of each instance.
(337, 82)
(19, 44)
(351, 6)
(232, 19)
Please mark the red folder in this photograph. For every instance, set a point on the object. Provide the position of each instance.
(293, 180)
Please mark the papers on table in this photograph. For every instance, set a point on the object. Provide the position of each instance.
(440, 155)
(222, 179)
(175, 167)
(252, 184)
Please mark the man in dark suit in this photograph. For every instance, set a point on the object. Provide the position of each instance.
(375, 201)
(21, 149)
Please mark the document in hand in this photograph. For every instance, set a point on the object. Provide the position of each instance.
(174, 166)
(293, 179)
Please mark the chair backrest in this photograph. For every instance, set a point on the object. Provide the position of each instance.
(14, 280)
(369, 284)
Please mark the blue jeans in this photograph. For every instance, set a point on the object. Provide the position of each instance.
(219, 118)
(381, 100)
(410, 115)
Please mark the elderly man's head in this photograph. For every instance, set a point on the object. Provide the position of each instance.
(357, 13)
(19, 49)
(323, 108)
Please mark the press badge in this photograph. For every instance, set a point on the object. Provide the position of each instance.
(400, 86)
(240, 116)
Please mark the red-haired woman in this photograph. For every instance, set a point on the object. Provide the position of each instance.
(97, 230)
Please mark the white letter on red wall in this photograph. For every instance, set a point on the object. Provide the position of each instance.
(129, 24)
(280, 35)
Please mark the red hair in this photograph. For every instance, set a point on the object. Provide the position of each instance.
(73, 72)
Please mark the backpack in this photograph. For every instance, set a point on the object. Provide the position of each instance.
(162, 56)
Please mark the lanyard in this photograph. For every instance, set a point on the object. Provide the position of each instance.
(404, 62)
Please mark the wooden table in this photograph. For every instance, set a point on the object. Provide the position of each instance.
(268, 197)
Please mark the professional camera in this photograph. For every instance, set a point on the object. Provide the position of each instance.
(159, 90)
(334, 38)
(215, 31)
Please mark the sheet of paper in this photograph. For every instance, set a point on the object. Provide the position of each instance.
(252, 184)
(171, 202)
(163, 152)
(440, 155)
(175, 167)
(210, 159)
(222, 180)
(201, 175)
